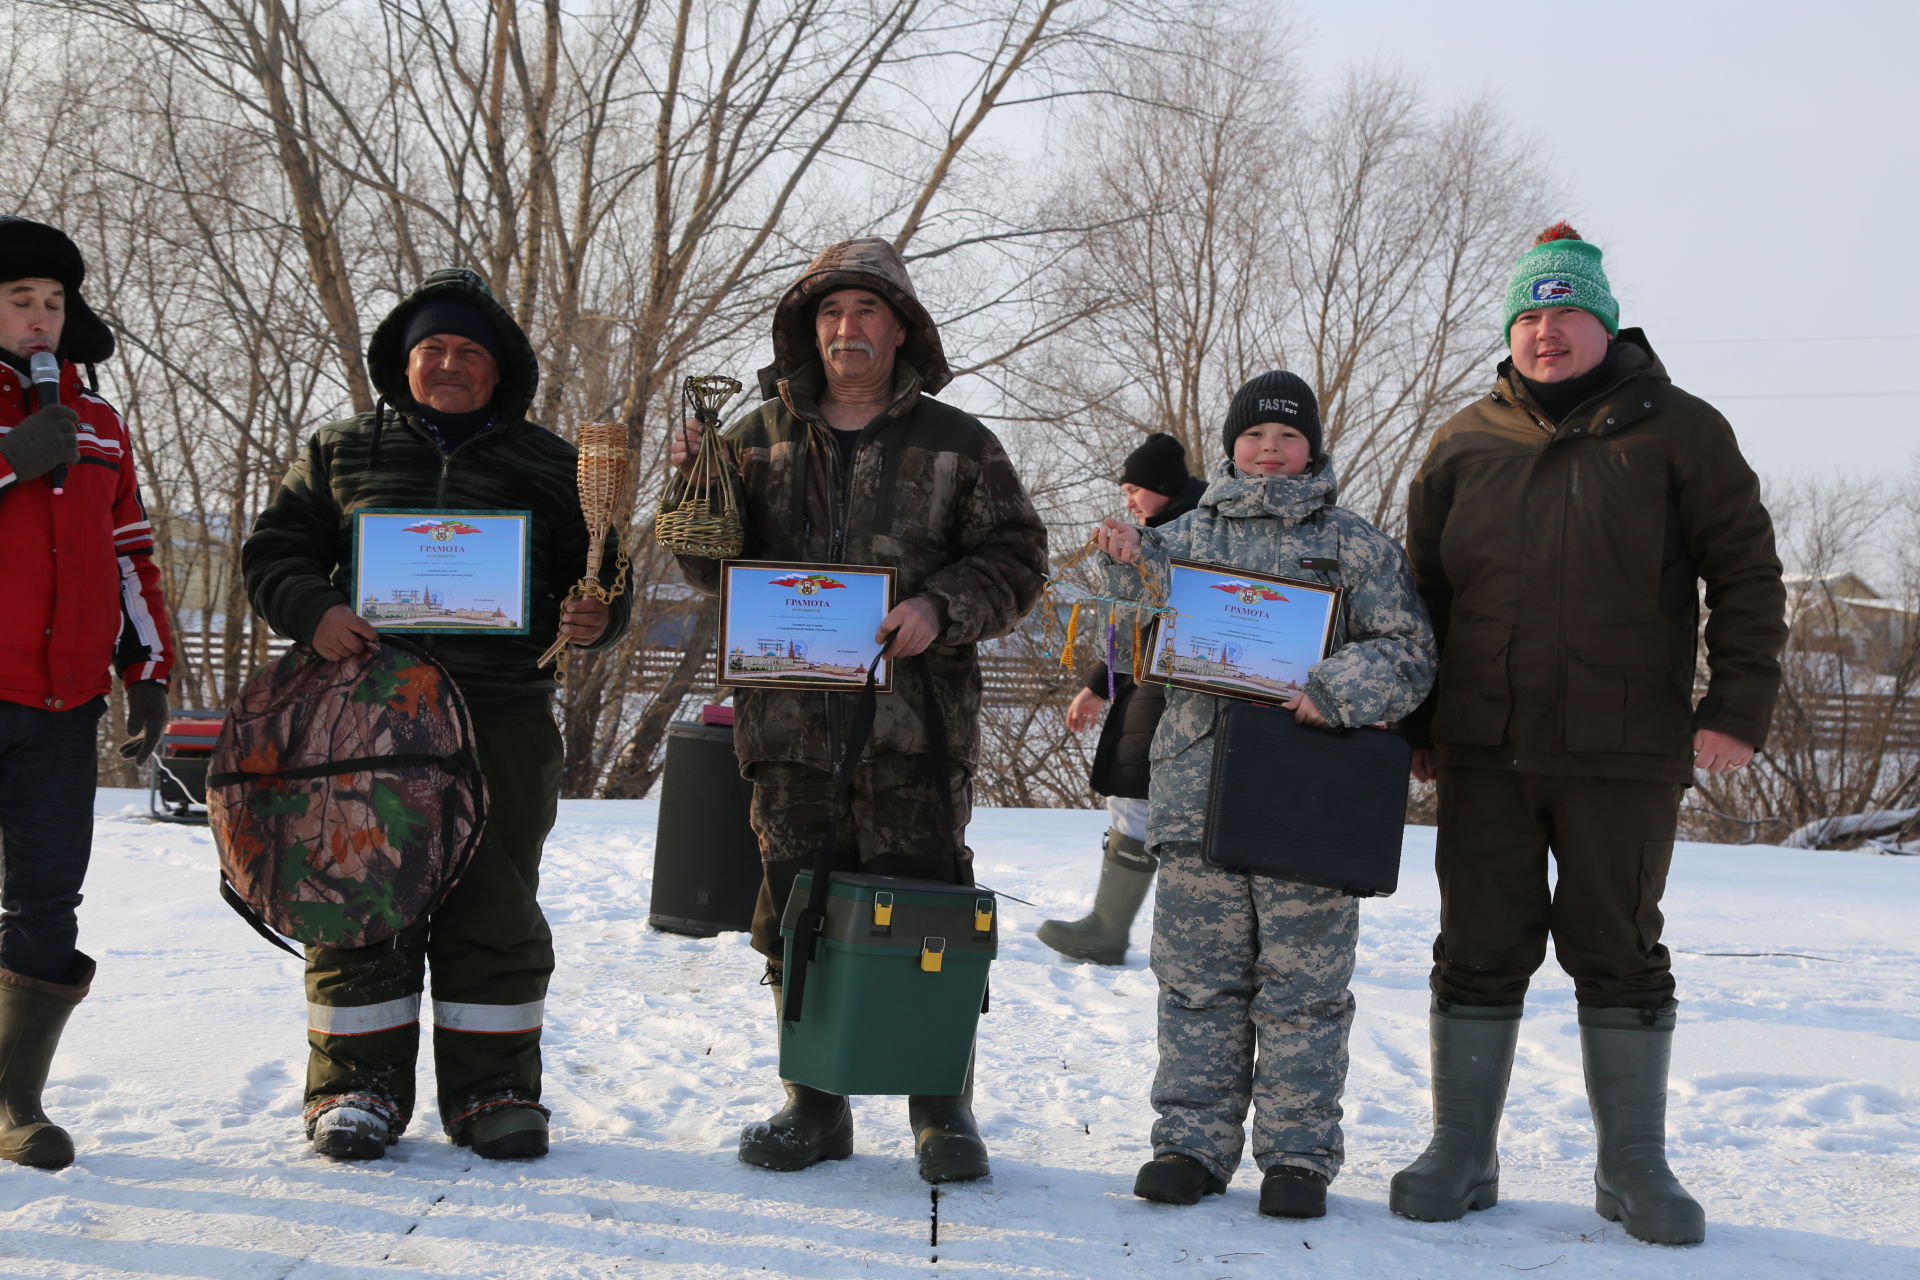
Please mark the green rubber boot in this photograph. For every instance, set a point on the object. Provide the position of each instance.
(945, 1137)
(1627, 1052)
(1100, 937)
(1472, 1050)
(814, 1126)
(33, 1013)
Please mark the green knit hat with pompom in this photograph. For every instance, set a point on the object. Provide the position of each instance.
(1561, 270)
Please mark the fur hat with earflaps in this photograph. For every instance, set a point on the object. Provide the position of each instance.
(35, 251)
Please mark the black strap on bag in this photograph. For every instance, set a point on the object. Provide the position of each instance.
(252, 917)
(812, 921)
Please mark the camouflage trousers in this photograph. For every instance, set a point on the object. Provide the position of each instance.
(893, 825)
(1254, 1010)
(487, 946)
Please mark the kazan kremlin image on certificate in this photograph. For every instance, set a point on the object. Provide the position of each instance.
(1229, 634)
(442, 574)
(804, 627)
(418, 606)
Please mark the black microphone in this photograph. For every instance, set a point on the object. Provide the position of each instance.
(44, 366)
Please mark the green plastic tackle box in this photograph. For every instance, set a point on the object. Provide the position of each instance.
(894, 992)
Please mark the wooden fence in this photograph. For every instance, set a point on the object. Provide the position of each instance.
(1021, 680)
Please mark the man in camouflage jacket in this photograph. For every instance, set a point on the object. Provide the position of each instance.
(849, 460)
(455, 375)
(1250, 960)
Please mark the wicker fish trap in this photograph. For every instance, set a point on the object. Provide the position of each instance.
(700, 509)
(604, 474)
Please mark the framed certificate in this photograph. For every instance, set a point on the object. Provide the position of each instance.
(802, 626)
(452, 572)
(1239, 634)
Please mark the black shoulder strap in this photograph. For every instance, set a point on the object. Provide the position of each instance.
(252, 917)
(813, 919)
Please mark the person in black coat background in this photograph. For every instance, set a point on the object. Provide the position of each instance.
(1157, 487)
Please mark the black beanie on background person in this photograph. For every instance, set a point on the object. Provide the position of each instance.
(451, 315)
(1275, 396)
(1159, 465)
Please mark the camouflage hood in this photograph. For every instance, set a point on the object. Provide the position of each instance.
(871, 263)
(1282, 497)
(387, 356)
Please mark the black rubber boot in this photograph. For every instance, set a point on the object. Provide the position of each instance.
(945, 1137)
(1289, 1191)
(1472, 1049)
(814, 1125)
(352, 1127)
(516, 1132)
(1174, 1177)
(33, 1013)
(1126, 873)
(1627, 1052)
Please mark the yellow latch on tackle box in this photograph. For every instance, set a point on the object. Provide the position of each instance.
(983, 915)
(882, 910)
(932, 952)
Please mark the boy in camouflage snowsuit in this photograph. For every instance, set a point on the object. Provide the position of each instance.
(1248, 961)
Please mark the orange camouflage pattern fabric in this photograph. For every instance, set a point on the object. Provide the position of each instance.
(345, 797)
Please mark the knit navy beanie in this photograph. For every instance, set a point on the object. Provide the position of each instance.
(451, 315)
(1158, 465)
(1275, 396)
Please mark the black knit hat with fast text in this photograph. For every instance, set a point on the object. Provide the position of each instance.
(1275, 396)
(1159, 465)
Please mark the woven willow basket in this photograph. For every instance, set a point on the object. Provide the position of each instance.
(700, 509)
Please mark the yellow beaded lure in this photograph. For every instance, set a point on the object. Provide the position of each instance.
(1154, 606)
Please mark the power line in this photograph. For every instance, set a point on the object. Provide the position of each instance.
(1873, 337)
(1813, 395)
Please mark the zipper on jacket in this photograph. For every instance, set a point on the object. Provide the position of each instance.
(838, 494)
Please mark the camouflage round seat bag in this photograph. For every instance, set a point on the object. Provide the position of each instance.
(345, 797)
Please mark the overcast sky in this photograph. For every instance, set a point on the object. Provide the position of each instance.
(1749, 169)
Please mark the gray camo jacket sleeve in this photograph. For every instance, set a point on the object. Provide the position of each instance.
(1388, 659)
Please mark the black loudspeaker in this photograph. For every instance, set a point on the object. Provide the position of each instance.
(706, 859)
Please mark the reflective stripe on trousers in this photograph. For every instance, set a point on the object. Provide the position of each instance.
(362, 1019)
(490, 1019)
(449, 1015)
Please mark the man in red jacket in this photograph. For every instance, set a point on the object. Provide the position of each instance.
(81, 594)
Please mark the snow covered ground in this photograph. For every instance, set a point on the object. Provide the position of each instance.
(1796, 1099)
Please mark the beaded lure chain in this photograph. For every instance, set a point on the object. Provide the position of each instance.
(1142, 612)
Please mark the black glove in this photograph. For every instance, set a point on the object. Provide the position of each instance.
(146, 719)
(45, 439)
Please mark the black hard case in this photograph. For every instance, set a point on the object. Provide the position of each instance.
(1323, 807)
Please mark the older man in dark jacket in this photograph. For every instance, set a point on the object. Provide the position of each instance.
(850, 460)
(455, 375)
(1559, 529)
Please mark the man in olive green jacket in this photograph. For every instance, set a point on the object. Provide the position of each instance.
(455, 375)
(849, 460)
(1559, 530)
